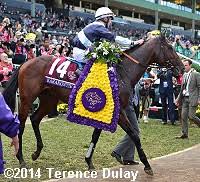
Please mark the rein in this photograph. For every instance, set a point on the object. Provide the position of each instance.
(134, 60)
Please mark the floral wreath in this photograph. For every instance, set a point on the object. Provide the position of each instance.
(100, 66)
(104, 50)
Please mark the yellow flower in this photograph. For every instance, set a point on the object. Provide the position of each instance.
(97, 78)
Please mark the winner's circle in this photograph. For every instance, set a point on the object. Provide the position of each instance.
(9, 173)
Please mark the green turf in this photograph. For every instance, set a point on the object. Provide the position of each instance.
(65, 146)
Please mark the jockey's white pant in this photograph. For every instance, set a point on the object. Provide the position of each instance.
(79, 55)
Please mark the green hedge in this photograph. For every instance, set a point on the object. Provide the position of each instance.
(196, 67)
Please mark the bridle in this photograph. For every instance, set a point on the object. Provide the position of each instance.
(132, 59)
(168, 61)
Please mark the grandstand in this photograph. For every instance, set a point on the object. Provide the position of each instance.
(179, 15)
(134, 18)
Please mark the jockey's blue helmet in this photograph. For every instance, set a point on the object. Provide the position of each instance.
(103, 12)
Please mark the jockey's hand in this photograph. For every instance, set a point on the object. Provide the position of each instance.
(138, 42)
(15, 143)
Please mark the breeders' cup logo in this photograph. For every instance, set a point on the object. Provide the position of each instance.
(94, 99)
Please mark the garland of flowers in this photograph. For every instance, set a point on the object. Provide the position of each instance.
(99, 74)
(106, 118)
(105, 51)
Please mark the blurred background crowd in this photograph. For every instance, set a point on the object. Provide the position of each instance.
(23, 37)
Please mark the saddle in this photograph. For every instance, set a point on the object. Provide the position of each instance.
(61, 72)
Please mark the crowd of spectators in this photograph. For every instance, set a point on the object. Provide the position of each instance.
(23, 37)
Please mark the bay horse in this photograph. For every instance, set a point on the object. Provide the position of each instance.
(29, 78)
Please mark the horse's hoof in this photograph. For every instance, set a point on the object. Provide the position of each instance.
(34, 156)
(23, 165)
(90, 169)
(148, 170)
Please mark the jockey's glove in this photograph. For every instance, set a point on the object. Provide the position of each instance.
(137, 42)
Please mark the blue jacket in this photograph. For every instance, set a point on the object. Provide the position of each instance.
(166, 84)
(91, 33)
(9, 125)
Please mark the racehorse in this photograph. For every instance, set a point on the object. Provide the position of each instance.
(29, 78)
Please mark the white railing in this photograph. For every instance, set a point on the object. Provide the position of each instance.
(194, 61)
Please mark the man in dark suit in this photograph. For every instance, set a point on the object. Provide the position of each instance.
(125, 150)
(189, 97)
(167, 95)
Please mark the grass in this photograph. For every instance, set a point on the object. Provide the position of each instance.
(65, 146)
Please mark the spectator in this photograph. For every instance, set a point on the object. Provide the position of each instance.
(167, 95)
(189, 97)
(178, 45)
(31, 52)
(187, 51)
(20, 52)
(145, 98)
(45, 49)
(6, 68)
(197, 54)
(5, 48)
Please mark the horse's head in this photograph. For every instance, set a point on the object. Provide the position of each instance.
(166, 56)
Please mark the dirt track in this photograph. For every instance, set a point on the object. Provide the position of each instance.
(183, 166)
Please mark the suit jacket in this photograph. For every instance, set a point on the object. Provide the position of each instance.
(194, 89)
(165, 77)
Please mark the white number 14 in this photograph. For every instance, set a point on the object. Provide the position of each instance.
(62, 69)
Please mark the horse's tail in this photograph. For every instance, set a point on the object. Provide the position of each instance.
(9, 92)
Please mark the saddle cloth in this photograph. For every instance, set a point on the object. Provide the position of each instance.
(61, 72)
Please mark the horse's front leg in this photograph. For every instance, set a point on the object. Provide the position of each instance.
(89, 154)
(126, 126)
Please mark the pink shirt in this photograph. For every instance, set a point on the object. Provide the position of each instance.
(4, 71)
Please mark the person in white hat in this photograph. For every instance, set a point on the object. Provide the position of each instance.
(97, 30)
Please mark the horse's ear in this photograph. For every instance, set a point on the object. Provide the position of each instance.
(162, 35)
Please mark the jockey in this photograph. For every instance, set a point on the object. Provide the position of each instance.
(97, 30)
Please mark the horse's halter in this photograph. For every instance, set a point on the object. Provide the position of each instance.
(168, 59)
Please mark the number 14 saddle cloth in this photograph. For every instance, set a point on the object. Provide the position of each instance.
(61, 72)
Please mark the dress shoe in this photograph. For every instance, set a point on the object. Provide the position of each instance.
(130, 162)
(164, 122)
(173, 123)
(182, 137)
(117, 157)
